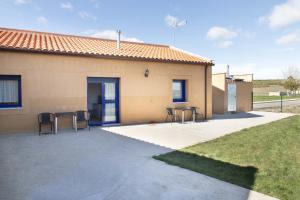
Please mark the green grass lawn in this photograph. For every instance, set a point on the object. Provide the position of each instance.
(265, 158)
(270, 98)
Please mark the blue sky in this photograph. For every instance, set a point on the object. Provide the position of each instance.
(255, 36)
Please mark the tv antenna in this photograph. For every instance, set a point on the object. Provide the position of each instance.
(177, 25)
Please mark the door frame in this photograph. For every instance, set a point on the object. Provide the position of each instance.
(101, 80)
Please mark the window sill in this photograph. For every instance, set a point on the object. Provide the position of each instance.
(11, 108)
(179, 102)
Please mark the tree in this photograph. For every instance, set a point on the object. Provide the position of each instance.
(292, 84)
(292, 79)
(291, 71)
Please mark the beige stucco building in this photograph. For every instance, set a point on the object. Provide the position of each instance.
(232, 94)
(43, 72)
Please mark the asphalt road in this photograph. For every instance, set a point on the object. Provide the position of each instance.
(273, 104)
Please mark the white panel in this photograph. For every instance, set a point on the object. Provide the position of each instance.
(177, 93)
(110, 93)
(110, 112)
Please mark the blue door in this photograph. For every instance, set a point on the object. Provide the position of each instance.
(103, 100)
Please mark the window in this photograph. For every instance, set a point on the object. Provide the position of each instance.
(10, 91)
(179, 91)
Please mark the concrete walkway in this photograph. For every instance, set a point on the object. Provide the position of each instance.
(99, 165)
(177, 136)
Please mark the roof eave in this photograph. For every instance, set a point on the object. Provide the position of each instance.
(103, 56)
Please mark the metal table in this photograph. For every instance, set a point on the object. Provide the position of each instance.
(61, 114)
(183, 109)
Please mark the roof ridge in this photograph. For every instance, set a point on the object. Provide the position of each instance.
(81, 36)
(191, 54)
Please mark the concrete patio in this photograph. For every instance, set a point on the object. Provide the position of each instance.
(102, 165)
(177, 135)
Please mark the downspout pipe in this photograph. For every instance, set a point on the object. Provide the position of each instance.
(205, 92)
(205, 83)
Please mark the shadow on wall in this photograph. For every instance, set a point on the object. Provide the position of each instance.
(243, 176)
(219, 101)
(240, 115)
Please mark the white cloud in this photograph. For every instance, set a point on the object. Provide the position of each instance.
(21, 2)
(225, 44)
(42, 20)
(86, 15)
(38, 8)
(174, 22)
(249, 35)
(67, 6)
(283, 15)
(263, 20)
(109, 34)
(222, 36)
(288, 49)
(221, 33)
(95, 3)
(290, 38)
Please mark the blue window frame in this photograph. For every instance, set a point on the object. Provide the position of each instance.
(179, 94)
(10, 91)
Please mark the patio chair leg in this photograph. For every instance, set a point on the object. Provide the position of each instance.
(52, 128)
(87, 124)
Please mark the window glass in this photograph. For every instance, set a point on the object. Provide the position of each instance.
(178, 90)
(110, 91)
(10, 91)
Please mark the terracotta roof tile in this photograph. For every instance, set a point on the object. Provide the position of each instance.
(12, 39)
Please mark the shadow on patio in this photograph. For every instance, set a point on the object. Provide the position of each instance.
(239, 115)
(243, 176)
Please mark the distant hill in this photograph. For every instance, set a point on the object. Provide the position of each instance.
(267, 83)
(263, 87)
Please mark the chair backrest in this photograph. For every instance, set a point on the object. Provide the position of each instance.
(170, 111)
(82, 115)
(45, 117)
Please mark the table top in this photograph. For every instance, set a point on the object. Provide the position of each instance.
(63, 113)
(185, 108)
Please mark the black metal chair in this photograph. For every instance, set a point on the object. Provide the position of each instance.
(170, 115)
(198, 116)
(46, 119)
(83, 116)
